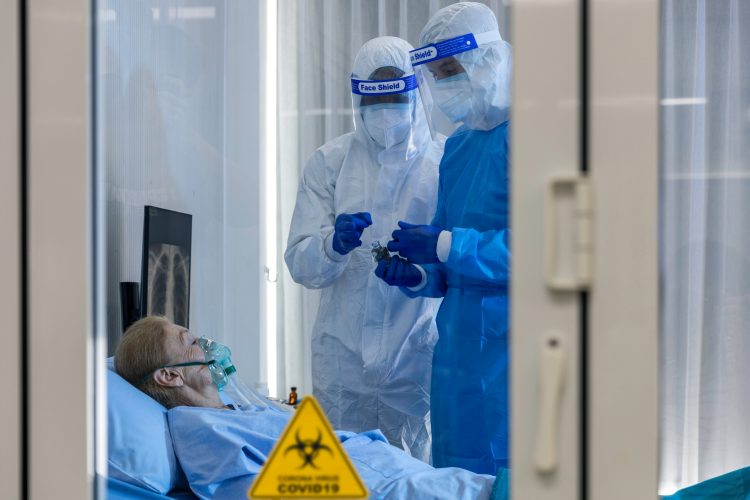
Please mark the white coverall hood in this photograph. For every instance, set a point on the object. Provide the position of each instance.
(489, 67)
(381, 52)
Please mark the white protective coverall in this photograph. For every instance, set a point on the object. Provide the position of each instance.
(371, 345)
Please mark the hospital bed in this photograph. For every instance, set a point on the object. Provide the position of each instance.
(145, 441)
(143, 464)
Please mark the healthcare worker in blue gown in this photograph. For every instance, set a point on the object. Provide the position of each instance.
(464, 254)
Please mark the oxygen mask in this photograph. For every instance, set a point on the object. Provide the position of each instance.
(219, 356)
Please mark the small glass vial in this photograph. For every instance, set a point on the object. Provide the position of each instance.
(293, 396)
(380, 252)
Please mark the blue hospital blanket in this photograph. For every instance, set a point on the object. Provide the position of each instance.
(223, 451)
(734, 485)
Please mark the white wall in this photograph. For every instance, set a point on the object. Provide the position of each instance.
(178, 127)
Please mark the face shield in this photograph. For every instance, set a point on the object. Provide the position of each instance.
(387, 104)
(451, 81)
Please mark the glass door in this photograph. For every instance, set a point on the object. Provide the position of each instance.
(548, 284)
(63, 450)
(623, 323)
(211, 110)
(586, 340)
(212, 113)
(704, 265)
(668, 311)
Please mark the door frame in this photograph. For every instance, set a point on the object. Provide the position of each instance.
(60, 368)
(12, 430)
(549, 115)
(624, 309)
(602, 101)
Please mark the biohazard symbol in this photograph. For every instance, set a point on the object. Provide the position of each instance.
(308, 461)
(308, 449)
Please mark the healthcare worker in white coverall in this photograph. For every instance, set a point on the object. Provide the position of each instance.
(372, 345)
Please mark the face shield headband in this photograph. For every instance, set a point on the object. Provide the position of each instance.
(451, 47)
(386, 108)
(373, 89)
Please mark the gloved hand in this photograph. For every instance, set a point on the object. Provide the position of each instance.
(348, 230)
(399, 272)
(418, 243)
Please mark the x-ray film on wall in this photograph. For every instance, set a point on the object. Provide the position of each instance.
(165, 276)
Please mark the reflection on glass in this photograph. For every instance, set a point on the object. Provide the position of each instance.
(358, 186)
(182, 109)
(705, 241)
(178, 127)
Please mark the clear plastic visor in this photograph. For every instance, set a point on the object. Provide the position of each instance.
(444, 83)
(385, 110)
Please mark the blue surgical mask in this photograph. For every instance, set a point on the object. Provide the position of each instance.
(453, 96)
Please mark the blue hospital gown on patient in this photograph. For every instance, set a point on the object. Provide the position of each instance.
(469, 398)
(222, 452)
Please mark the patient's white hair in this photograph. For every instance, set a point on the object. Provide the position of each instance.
(142, 351)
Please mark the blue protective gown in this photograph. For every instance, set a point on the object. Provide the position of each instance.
(469, 397)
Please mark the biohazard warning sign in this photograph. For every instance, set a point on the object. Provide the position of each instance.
(308, 461)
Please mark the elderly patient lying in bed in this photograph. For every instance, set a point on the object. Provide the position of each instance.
(222, 451)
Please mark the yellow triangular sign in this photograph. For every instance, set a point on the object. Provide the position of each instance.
(308, 461)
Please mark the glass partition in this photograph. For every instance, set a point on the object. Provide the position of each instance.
(207, 115)
(705, 244)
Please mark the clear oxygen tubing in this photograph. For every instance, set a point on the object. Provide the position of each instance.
(225, 377)
(246, 398)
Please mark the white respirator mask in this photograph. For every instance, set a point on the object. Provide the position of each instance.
(387, 124)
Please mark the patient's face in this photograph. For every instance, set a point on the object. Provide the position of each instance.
(182, 347)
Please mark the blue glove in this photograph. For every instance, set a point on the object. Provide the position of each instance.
(348, 230)
(399, 272)
(418, 243)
